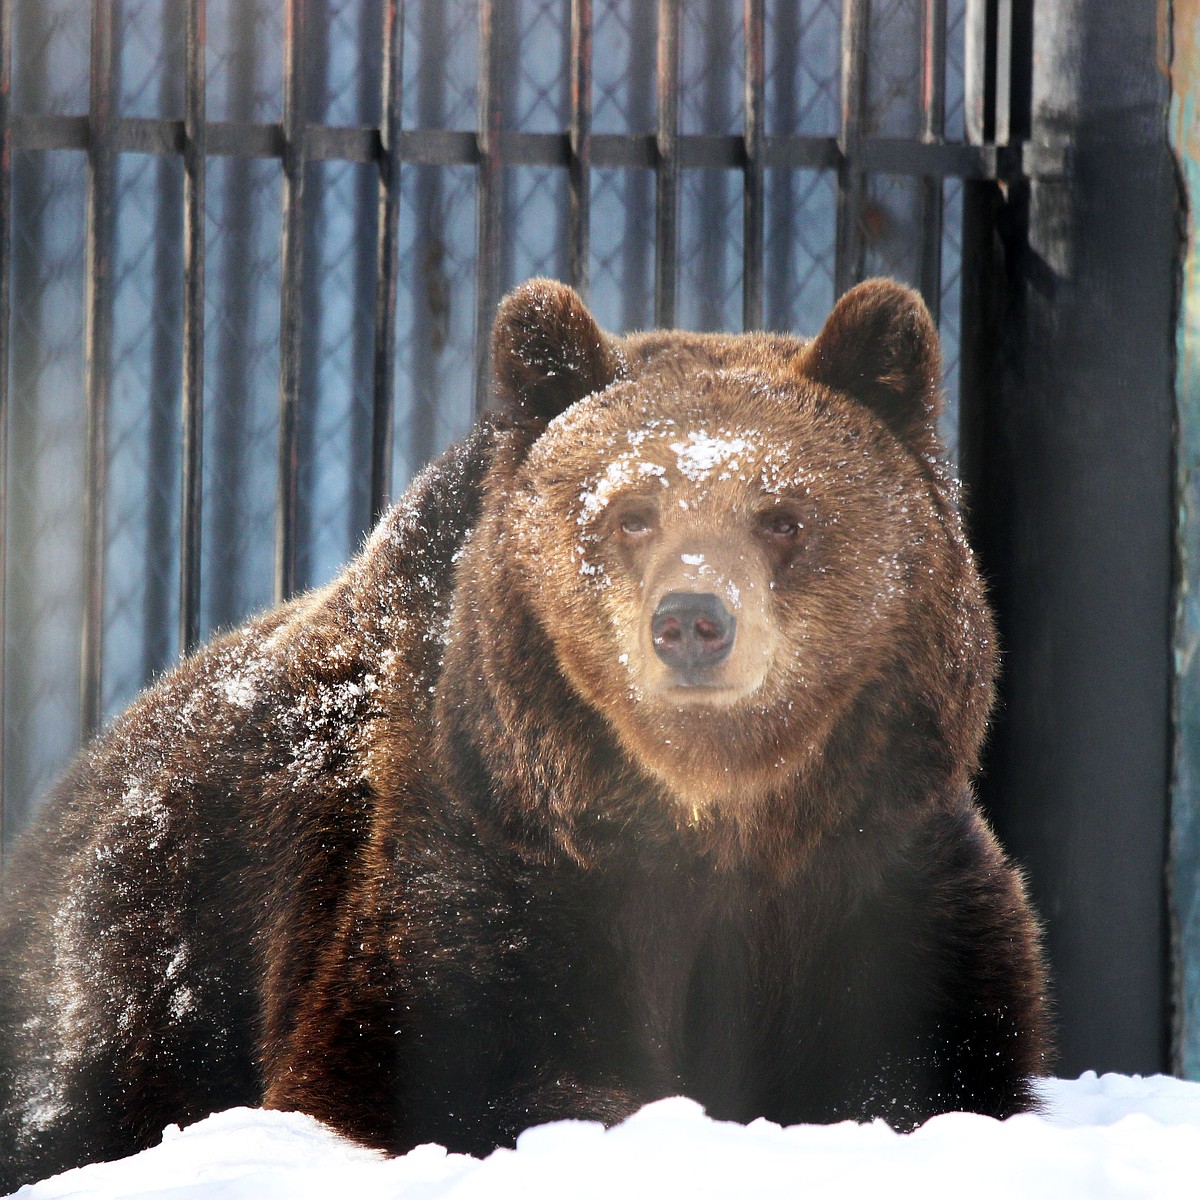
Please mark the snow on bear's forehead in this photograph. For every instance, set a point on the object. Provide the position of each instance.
(725, 426)
(690, 457)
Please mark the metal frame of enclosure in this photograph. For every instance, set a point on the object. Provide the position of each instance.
(102, 135)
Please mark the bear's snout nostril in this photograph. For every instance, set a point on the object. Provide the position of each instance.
(692, 631)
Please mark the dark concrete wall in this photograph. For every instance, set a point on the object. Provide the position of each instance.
(1068, 453)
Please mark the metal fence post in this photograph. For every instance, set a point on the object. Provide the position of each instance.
(97, 357)
(195, 163)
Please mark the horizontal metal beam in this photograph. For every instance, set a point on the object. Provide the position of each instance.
(438, 147)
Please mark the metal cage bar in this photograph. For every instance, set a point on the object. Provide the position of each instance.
(580, 164)
(195, 160)
(666, 195)
(97, 359)
(291, 296)
(753, 197)
(446, 148)
(6, 14)
(848, 257)
(933, 128)
(490, 198)
(387, 266)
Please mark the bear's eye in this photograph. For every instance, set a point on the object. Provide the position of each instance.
(634, 524)
(782, 526)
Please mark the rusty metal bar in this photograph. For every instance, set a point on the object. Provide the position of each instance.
(192, 414)
(848, 261)
(290, 300)
(933, 130)
(580, 162)
(387, 262)
(5, 313)
(490, 196)
(752, 194)
(910, 156)
(666, 199)
(97, 360)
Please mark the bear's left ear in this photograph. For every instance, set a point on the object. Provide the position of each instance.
(880, 347)
(548, 351)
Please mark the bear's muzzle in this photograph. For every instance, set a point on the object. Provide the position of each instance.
(692, 633)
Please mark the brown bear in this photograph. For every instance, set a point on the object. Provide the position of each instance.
(631, 757)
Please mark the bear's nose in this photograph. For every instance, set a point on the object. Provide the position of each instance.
(692, 631)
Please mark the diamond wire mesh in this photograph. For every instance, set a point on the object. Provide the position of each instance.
(46, 432)
(143, 428)
(711, 87)
(803, 43)
(621, 265)
(343, 80)
(437, 271)
(435, 303)
(535, 99)
(150, 47)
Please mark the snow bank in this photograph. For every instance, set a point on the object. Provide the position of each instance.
(1113, 1136)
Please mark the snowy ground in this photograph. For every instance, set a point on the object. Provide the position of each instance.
(1100, 1138)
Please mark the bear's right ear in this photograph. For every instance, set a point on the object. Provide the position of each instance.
(548, 351)
(879, 346)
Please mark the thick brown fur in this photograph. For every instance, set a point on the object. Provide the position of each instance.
(449, 848)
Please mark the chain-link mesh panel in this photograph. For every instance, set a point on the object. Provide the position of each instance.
(712, 84)
(537, 63)
(335, 409)
(241, 400)
(150, 57)
(434, 314)
(46, 434)
(622, 248)
(623, 58)
(956, 23)
(951, 314)
(245, 60)
(142, 495)
(441, 48)
(50, 56)
(345, 62)
(438, 244)
(801, 211)
(803, 42)
(893, 68)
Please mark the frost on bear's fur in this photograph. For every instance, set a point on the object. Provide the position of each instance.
(630, 758)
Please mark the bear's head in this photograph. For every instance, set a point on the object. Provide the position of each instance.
(728, 567)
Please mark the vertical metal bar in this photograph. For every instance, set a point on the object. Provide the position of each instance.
(291, 299)
(192, 415)
(977, 87)
(97, 359)
(666, 211)
(489, 199)
(752, 196)
(387, 262)
(1004, 71)
(933, 129)
(5, 303)
(848, 263)
(579, 169)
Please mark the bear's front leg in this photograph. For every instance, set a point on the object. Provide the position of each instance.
(393, 1080)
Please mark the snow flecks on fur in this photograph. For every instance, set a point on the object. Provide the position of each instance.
(320, 723)
(702, 453)
(685, 462)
